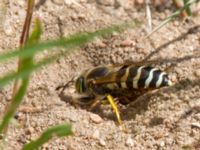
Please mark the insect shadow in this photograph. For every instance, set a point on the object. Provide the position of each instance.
(141, 104)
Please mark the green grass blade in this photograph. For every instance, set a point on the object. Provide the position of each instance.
(36, 33)
(187, 9)
(68, 43)
(26, 64)
(26, 71)
(33, 39)
(171, 17)
(58, 130)
(72, 42)
(14, 105)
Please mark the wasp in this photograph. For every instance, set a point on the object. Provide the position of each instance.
(121, 82)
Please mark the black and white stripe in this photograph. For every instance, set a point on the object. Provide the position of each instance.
(142, 77)
(150, 78)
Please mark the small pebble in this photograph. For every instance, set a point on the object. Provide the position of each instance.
(168, 124)
(57, 2)
(21, 3)
(197, 116)
(18, 115)
(176, 23)
(197, 73)
(126, 43)
(30, 130)
(6, 140)
(102, 142)
(195, 124)
(96, 118)
(102, 45)
(191, 48)
(139, 1)
(162, 143)
(129, 142)
(73, 119)
(8, 29)
(96, 134)
(73, 2)
(68, 2)
(115, 34)
(159, 135)
(106, 2)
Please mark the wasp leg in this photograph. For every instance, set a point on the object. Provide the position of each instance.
(114, 106)
(105, 102)
(95, 104)
(63, 87)
(124, 100)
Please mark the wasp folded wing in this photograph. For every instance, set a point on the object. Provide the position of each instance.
(134, 77)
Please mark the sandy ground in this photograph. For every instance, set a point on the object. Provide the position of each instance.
(166, 119)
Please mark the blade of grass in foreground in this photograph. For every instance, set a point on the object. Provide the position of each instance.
(14, 105)
(68, 43)
(26, 63)
(170, 18)
(24, 38)
(26, 71)
(76, 40)
(58, 130)
(187, 9)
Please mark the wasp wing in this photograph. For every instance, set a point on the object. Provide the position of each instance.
(117, 74)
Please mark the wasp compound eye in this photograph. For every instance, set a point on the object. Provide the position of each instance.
(80, 85)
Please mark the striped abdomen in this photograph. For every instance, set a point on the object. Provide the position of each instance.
(141, 77)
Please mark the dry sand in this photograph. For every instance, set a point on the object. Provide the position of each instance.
(166, 119)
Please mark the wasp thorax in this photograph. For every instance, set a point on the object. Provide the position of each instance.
(80, 85)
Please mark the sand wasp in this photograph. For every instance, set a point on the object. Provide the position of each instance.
(119, 83)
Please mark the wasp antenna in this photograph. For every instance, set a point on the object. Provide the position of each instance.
(59, 87)
(65, 85)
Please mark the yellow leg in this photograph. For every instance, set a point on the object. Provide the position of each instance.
(114, 106)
